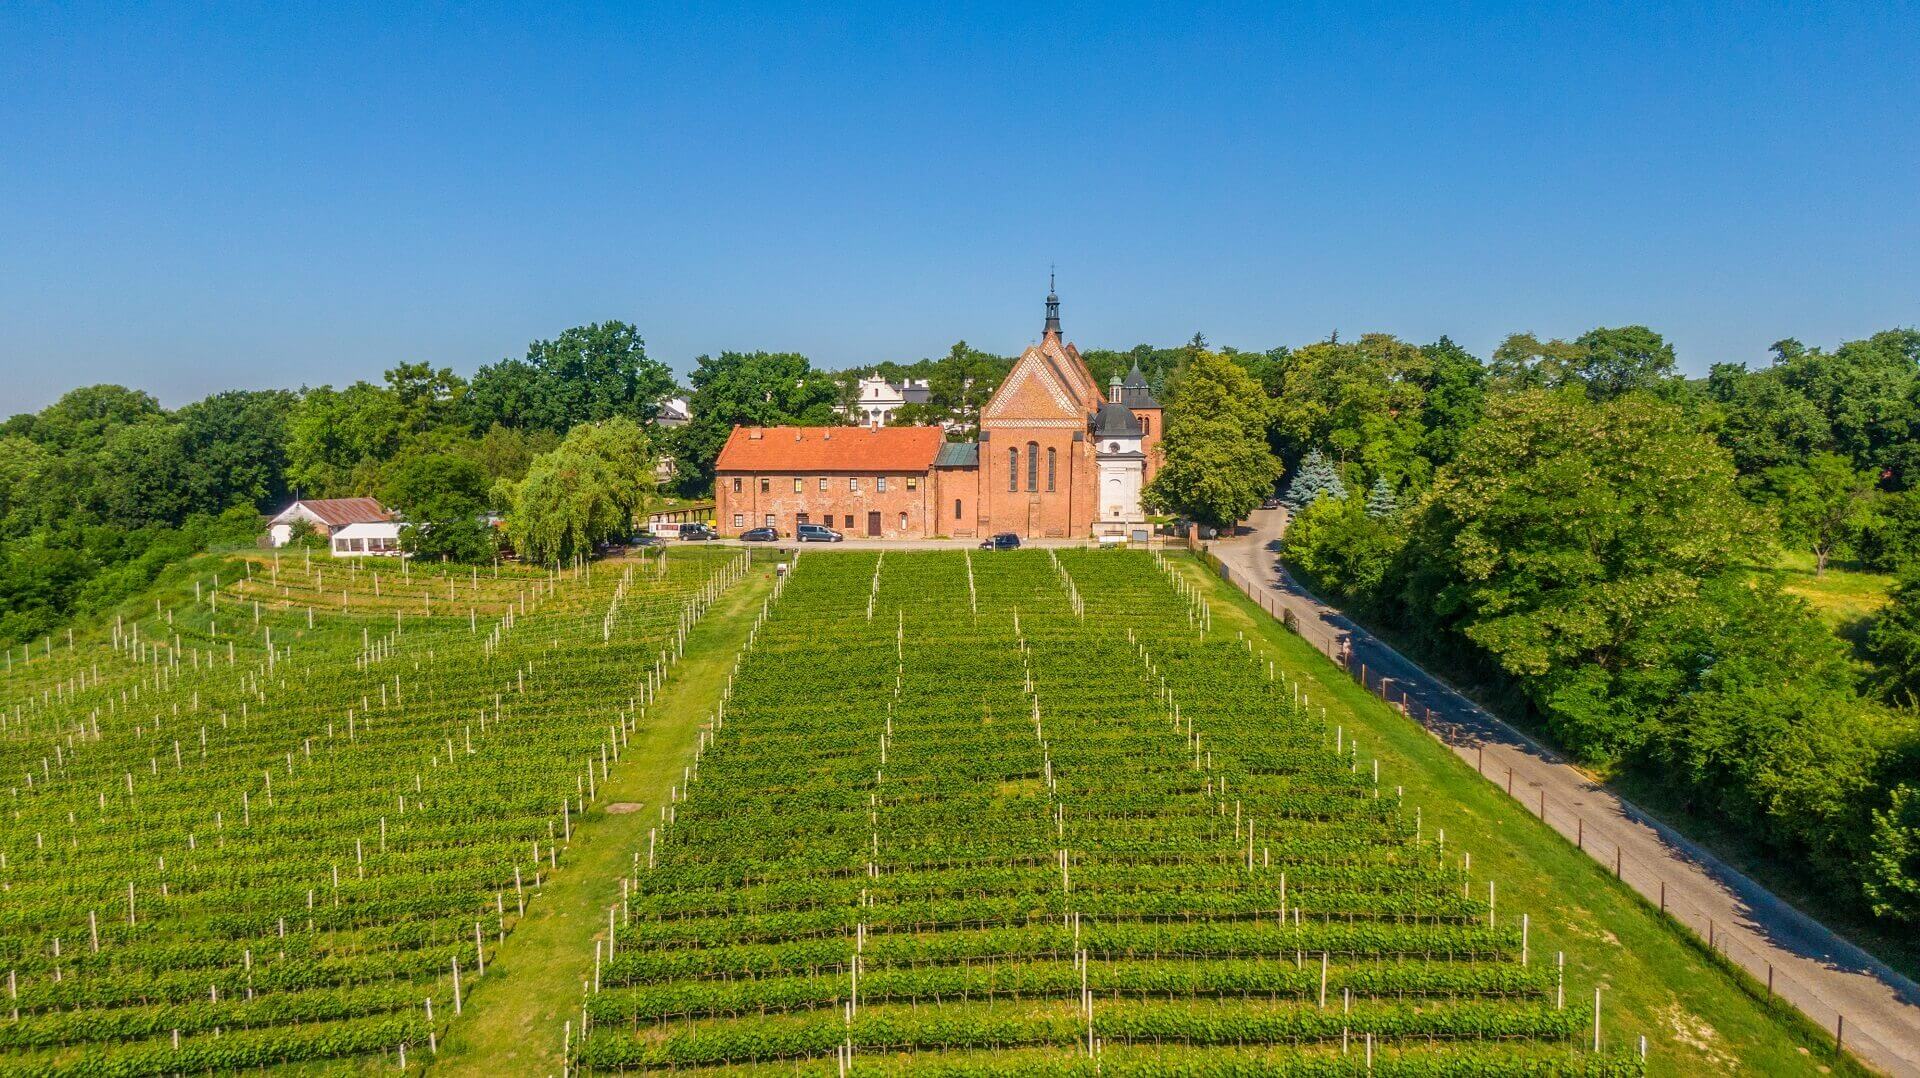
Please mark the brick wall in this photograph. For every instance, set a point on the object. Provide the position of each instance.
(906, 506)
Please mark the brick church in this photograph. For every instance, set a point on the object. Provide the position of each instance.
(1056, 458)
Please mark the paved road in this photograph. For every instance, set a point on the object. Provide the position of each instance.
(1808, 964)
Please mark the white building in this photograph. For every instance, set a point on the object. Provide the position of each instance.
(674, 412)
(1121, 461)
(327, 515)
(879, 399)
(367, 538)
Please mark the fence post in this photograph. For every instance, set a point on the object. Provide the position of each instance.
(1663, 901)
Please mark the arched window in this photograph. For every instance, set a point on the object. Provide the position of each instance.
(903, 522)
(1146, 424)
(1049, 467)
(956, 509)
(1013, 468)
(1033, 466)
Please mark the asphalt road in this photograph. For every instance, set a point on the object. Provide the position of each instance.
(1809, 965)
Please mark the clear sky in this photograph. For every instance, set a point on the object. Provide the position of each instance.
(199, 198)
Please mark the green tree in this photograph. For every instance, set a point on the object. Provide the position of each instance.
(1361, 400)
(1381, 499)
(338, 440)
(237, 445)
(1892, 880)
(1455, 388)
(1614, 362)
(1314, 480)
(1820, 504)
(584, 492)
(759, 389)
(1569, 532)
(1343, 548)
(442, 497)
(1216, 467)
(587, 374)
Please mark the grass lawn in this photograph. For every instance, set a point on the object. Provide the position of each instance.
(1698, 1017)
(1845, 597)
(514, 1015)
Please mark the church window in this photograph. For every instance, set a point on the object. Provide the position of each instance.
(903, 522)
(1013, 468)
(766, 485)
(1049, 467)
(1033, 466)
(736, 484)
(956, 509)
(1113, 447)
(1146, 424)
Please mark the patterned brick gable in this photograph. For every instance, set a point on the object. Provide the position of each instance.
(1048, 388)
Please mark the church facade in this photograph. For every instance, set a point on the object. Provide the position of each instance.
(1056, 458)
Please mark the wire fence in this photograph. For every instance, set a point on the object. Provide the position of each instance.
(1504, 756)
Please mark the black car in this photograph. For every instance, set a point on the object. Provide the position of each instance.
(697, 532)
(1270, 503)
(1003, 541)
(759, 535)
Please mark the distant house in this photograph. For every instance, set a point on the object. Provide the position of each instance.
(674, 412)
(878, 399)
(327, 515)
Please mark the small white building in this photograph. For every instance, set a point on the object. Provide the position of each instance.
(327, 515)
(674, 412)
(878, 399)
(1122, 465)
(378, 538)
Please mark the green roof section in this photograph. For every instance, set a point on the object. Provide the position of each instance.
(958, 455)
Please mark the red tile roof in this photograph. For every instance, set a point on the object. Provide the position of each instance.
(337, 512)
(830, 449)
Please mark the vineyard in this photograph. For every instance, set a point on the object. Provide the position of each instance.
(1026, 813)
(288, 814)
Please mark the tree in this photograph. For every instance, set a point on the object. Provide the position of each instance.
(1892, 878)
(1560, 544)
(1315, 479)
(1614, 362)
(442, 497)
(758, 389)
(1455, 387)
(1362, 400)
(1343, 548)
(338, 440)
(582, 493)
(959, 384)
(1820, 504)
(587, 374)
(236, 443)
(1217, 467)
(1381, 500)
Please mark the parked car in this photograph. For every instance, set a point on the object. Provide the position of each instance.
(1270, 503)
(759, 535)
(643, 539)
(697, 532)
(1002, 541)
(817, 533)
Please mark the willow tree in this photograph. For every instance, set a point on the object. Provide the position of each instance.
(583, 492)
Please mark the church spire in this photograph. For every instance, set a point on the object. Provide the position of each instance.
(1053, 306)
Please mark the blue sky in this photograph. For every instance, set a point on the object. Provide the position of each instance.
(198, 198)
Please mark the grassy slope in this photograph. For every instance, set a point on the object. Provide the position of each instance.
(1697, 1018)
(514, 1016)
(1845, 597)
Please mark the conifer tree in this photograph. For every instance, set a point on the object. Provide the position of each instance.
(1381, 500)
(1314, 480)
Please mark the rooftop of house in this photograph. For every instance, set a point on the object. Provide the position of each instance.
(830, 449)
(335, 512)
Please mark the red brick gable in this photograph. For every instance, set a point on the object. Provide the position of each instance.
(830, 449)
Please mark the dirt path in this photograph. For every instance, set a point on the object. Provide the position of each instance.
(1836, 984)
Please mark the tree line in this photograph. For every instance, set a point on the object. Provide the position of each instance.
(1589, 537)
